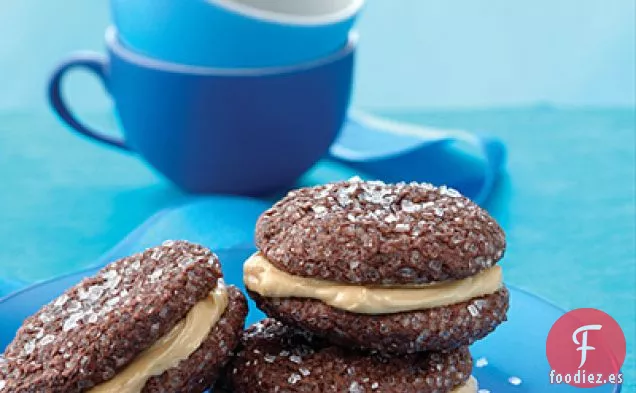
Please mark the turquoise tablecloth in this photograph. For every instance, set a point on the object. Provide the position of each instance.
(567, 203)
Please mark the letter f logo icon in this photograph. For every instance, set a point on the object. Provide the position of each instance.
(583, 344)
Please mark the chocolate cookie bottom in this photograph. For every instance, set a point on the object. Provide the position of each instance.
(202, 368)
(434, 329)
(278, 358)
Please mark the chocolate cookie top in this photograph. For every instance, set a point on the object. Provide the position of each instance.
(279, 358)
(376, 233)
(89, 333)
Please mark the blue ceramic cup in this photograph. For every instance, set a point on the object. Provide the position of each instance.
(235, 33)
(238, 131)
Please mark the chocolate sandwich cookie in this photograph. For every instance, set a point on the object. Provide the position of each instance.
(158, 321)
(397, 268)
(274, 357)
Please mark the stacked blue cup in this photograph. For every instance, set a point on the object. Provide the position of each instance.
(224, 96)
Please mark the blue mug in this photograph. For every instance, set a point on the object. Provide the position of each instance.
(235, 33)
(237, 131)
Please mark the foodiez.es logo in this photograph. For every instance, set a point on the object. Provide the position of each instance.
(586, 348)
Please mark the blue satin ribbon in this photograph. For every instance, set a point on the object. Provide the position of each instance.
(393, 151)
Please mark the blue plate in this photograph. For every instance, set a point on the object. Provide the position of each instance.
(512, 359)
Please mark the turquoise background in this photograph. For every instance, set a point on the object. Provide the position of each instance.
(414, 53)
(553, 79)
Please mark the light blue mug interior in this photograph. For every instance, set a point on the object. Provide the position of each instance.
(235, 33)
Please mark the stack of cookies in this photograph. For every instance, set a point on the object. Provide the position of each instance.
(370, 287)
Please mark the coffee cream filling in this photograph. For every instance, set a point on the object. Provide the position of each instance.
(469, 387)
(185, 338)
(265, 279)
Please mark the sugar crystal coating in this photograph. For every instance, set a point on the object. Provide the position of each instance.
(481, 362)
(328, 368)
(383, 228)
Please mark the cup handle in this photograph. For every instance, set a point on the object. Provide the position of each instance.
(95, 63)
